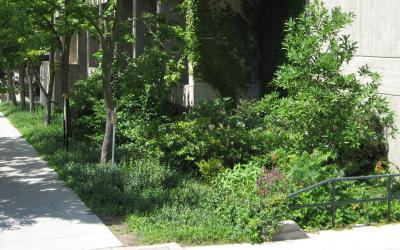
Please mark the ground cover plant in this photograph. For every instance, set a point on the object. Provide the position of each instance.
(220, 172)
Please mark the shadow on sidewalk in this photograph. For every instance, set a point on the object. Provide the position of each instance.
(31, 192)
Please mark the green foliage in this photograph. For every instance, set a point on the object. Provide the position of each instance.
(307, 117)
(303, 170)
(248, 155)
(186, 218)
(240, 200)
(3, 84)
(48, 140)
(210, 168)
(213, 130)
(127, 187)
(249, 41)
(232, 209)
(87, 108)
(191, 226)
(208, 30)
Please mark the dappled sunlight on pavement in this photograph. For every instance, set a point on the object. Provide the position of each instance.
(37, 211)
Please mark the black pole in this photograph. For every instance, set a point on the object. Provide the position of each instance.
(333, 203)
(65, 121)
(389, 191)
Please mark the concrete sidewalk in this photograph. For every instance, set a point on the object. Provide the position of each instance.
(363, 238)
(360, 238)
(37, 211)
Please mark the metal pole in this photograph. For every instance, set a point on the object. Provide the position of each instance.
(113, 145)
(114, 124)
(333, 203)
(389, 194)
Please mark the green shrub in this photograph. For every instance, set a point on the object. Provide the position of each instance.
(213, 130)
(126, 187)
(323, 107)
(87, 109)
(210, 168)
(235, 208)
(242, 195)
(252, 208)
(306, 169)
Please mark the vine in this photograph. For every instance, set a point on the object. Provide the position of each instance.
(233, 50)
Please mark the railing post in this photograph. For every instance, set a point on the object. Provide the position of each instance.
(333, 203)
(389, 196)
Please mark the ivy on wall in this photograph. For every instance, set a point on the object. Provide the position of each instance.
(233, 50)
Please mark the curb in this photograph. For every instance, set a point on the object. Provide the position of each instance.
(168, 246)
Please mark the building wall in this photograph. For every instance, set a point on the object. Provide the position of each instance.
(78, 68)
(142, 38)
(376, 29)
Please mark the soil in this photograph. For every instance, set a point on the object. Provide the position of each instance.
(118, 227)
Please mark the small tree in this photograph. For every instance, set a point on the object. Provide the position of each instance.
(325, 108)
(104, 22)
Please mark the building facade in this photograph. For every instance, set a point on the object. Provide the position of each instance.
(191, 91)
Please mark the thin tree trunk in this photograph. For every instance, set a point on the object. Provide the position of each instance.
(31, 93)
(50, 88)
(65, 87)
(11, 90)
(37, 80)
(22, 86)
(108, 101)
(107, 142)
(64, 80)
(108, 45)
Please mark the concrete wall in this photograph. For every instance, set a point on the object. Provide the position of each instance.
(78, 68)
(142, 39)
(44, 79)
(376, 29)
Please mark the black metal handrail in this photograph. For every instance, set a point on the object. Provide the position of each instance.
(334, 203)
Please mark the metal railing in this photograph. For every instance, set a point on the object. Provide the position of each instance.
(333, 204)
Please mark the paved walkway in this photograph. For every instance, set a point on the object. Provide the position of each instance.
(37, 211)
(363, 238)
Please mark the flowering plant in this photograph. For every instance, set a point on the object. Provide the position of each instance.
(268, 181)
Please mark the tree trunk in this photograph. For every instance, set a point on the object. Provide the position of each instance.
(50, 88)
(108, 52)
(64, 79)
(22, 85)
(107, 142)
(65, 88)
(31, 93)
(108, 45)
(10, 88)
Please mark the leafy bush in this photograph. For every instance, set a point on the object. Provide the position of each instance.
(213, 131)
(87, 108)
(210, 168)
(324, 108)
(252, 208)
(228, 143)
(131, 186)
(306, 169)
